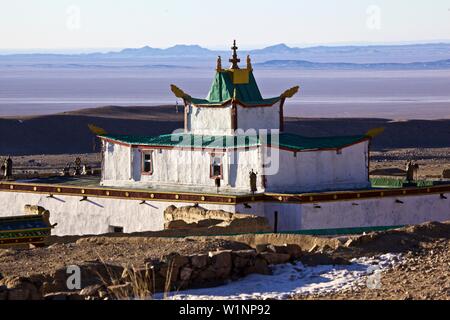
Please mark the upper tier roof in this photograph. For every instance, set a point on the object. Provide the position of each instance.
(233, 85)
(223, 90)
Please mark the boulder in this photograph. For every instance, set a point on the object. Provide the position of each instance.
(176, 225)
(259, 266)
(322, 259)
(262, 247)
(19, 288)
(293, 250)
(221, 262)
(91, 291)
(63, 296)
(34, 210)
(185, 274)
(199, 261)
(275, 258)
(243, 258)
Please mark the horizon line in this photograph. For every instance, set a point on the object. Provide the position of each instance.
(219, 48)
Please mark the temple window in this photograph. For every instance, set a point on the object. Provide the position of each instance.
(147, 162)
(115, 229)
(216, 167)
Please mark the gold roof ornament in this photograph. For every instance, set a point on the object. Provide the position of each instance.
(179, 93)
(249, 63)
(372, 133)
(234, 59)
(290, 92)
(97, 130)
(219, 64)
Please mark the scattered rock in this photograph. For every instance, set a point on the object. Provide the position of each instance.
(20, 288)
(92, 290)
(176, 260)
(322, 259)
(221, 262)
(63, 296)
(349, 243)
(262, 247)
(199, 261)
(275, 258)
(185, 274)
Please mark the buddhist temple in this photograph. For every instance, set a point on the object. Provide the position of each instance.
(234, 141)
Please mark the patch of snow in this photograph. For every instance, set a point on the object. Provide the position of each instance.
(290, 279)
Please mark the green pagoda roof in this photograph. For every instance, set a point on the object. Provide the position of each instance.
(285, 140)
(233, 85)
(223, 90)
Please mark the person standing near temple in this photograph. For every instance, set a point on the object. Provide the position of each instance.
(8, 168)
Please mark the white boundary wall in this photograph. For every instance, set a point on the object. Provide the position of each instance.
(98, 214)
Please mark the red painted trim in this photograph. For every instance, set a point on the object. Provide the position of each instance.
(136, 194)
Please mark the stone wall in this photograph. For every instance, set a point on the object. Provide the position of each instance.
(172, 272)
(196, 218)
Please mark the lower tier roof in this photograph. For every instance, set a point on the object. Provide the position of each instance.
(284, 140)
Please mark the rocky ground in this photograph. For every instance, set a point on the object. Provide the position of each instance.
(431, 161)
(424, 272)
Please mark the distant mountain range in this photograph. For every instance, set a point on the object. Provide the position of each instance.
(308, 65)
(372, 56)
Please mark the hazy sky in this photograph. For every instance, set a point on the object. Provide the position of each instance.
(213, 24)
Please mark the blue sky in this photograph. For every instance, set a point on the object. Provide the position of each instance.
(62, 24)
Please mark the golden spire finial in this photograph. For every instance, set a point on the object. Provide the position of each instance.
(219, 64)
(249, 63)
(234, 59)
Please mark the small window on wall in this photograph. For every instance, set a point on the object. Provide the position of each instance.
(339, 151)
(147, 162)
(115, 229)
(216, 167)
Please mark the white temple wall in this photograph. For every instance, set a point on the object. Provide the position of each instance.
(240, 163)
(117, 162)
(321, 170)
(217, 120)
(181, 167)
(210, 120)
(257, 118)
